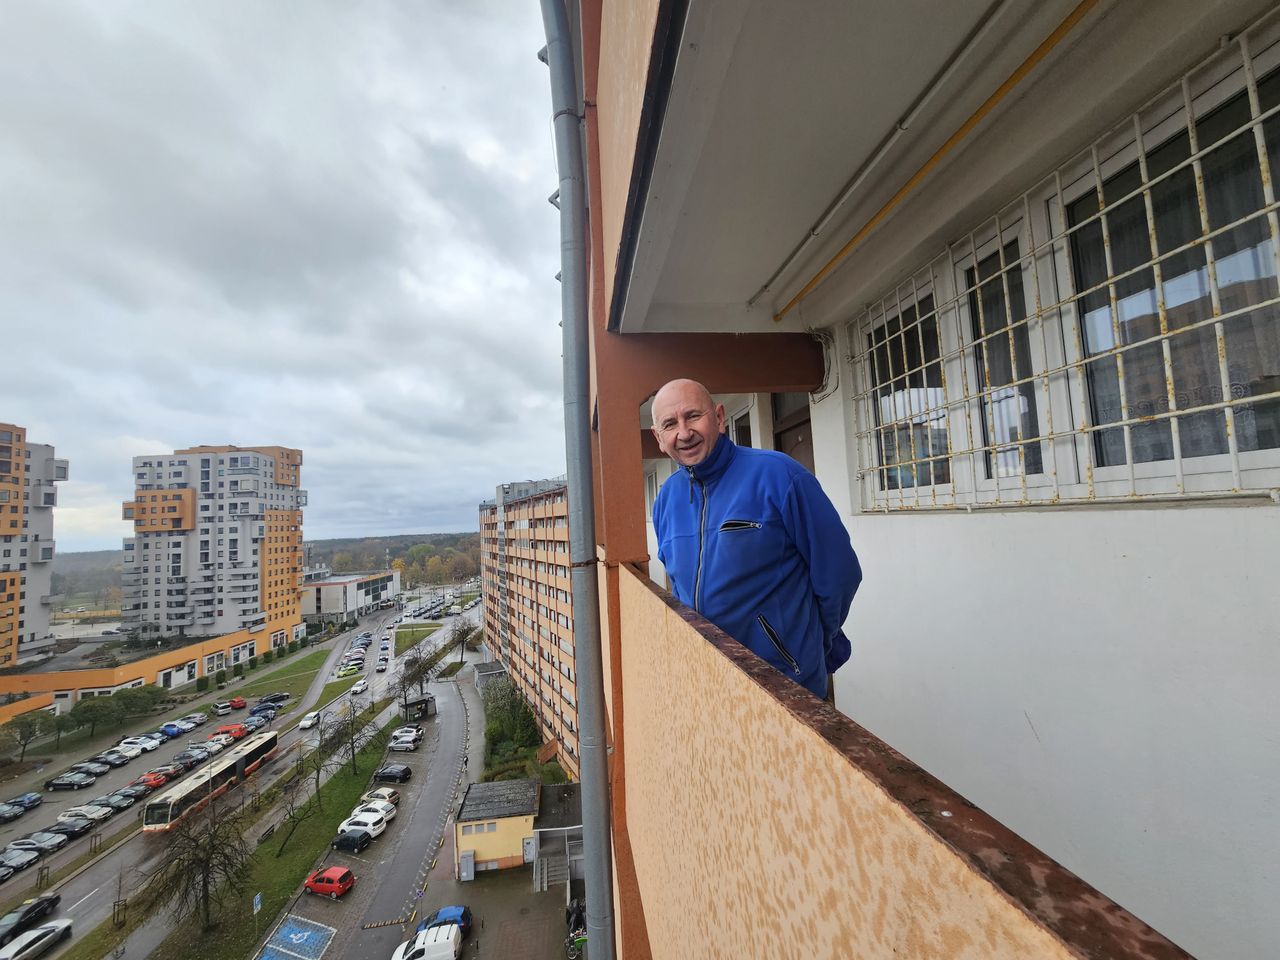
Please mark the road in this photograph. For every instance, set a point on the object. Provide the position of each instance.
(88, 897)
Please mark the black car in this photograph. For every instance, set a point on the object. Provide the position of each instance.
(352, 841)
(187, 761)
(27, 801)
(280, 698)
(18, 859)
(70, 828)
(39, 842)
(111, 759)
(6, 873)
(91, 766)
(112, 801)
(72, 780)
(393, 773)
(9, 812)
(26, 916)
(137, 792)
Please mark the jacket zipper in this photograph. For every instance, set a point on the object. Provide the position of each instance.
(777, 644)
(702, 536)
(731, 525)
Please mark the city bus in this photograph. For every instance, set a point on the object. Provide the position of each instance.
(221, 773)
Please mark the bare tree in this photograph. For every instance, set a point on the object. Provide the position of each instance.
(207, 855)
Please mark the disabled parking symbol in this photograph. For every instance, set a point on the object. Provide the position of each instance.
(297, 938)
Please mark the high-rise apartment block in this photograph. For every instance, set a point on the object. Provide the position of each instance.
(217, 541)
(28, 474)
(524, 562)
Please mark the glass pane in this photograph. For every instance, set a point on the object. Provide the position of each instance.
(1002, 356)
(906, 370)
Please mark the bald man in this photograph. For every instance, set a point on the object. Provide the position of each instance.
(751, 542)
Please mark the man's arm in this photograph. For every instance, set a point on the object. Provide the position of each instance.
(821, 539)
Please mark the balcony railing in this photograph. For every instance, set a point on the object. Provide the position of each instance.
(795, 822)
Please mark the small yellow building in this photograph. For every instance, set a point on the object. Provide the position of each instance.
(494, 827)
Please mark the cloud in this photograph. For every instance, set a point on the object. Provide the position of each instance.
(230, 223)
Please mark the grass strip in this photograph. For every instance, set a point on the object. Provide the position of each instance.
(277, 877)
(293, 679)
(450, 670)
(336, 687)
(407, 637)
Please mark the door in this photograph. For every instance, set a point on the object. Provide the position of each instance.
(467, 865)
(530, 849)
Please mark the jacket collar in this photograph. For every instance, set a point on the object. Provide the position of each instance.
(717, 462)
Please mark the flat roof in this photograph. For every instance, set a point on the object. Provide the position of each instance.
(503, 798)
(337, 581)
(493, 666)
(559, 807)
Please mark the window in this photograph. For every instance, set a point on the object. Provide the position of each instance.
(1113, 333)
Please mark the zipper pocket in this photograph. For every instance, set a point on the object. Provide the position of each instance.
(777, 644)
(729, 525)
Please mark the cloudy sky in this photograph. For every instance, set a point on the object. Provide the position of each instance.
(319, 225)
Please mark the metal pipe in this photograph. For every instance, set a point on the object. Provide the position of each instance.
(594, 767)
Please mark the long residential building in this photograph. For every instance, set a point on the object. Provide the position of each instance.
(524, 562)
(337, 598)
(29, 473)
(217, 542)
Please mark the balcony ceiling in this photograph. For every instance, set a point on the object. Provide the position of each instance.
(773, 109)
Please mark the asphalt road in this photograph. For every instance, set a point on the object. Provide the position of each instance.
(403, 850)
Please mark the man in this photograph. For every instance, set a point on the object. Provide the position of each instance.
(751, 542)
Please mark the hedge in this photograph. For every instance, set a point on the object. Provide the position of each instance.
(221, 677)
(268, 657)
(202, 684)
(253, 663)
(238, 669)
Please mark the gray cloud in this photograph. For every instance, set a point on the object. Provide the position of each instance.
(231, 223)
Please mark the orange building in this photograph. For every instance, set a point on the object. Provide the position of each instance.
(528, 610)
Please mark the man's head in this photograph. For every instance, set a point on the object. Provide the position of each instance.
(686, 421)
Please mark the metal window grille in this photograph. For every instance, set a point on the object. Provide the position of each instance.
(1111, 334)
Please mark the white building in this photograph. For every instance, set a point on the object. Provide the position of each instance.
(217, 544)
(342, 597)
(29, 473)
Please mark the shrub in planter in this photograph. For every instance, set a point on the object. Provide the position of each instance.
(238, 669)
(202, 684)
(293, 646)
(221, 677)
(268, 657)
(253, 663)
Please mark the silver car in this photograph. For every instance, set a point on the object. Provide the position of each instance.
(37, 941)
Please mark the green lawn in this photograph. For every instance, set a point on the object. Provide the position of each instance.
(293, 677)
(450, 670)
(406, 637)
(277, 878)
(335, 687)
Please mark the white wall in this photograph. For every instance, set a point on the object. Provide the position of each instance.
(1105, 682)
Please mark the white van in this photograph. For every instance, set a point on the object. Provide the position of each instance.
(455, 610)
(436, 943)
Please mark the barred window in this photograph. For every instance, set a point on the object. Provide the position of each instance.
(1112, 333)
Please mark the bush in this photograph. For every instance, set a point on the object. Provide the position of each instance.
(238, 669)
(202, 684)
(293, 646)
(221, 677)
(268, 657)
(253, 663)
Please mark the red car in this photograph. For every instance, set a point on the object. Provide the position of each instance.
(334, 881)
(237, 703)
(151, 780)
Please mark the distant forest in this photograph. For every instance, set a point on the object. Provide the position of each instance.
(421, 558)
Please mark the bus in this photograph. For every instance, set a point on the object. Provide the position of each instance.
(223, 772)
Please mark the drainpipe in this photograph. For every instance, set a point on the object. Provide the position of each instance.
(567, 119)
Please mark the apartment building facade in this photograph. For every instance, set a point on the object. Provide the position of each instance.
(217, 543)
(528, 610)
(29, 474)
(1021, 269)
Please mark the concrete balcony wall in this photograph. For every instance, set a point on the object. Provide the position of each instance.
(762, 822)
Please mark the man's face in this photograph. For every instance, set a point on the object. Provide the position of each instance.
(686, 422)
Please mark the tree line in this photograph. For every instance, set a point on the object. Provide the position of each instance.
(26, 728)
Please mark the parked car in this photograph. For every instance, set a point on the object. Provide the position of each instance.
(458, 915)
(112, 800)
(162, 735)
(200, 748)
(238, 703)
(309, 721)
(151, 780)
(129, 750)
(27, 801)
(41, 842)
(393, 773)
(386, 794)
(10, 812)
(70, 828)
(222, 709)
(72, 780)
(414, 731)
(352, 841)
(170, 770)
(137, 792)
(233, 730)
(373, 823)
(111, 759)
(87, 812)
(256, 723)
(186, 726)
(221, 739)
(347, 671)
(27, 915)
(360, 686)
(6, 872)
(37, 941)
(332, 882)
(279, 699)
(403, 743)
(91, 767)
(267, 710)
(172, 729)
(387, 811)
(433, 944)
(185, 760)
(196, 718)
(18, 859)
(145, 742)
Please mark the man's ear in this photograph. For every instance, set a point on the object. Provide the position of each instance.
(720, 419)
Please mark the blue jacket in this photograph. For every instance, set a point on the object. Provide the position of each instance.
(750, 541)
